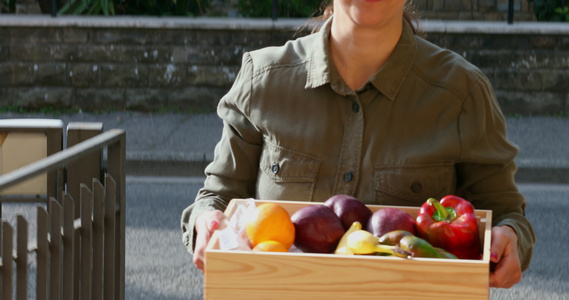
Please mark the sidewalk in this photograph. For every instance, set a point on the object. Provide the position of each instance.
(182, 144)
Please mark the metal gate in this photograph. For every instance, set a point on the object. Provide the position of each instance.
(80, 251)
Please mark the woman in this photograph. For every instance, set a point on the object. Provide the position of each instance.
(365, 107)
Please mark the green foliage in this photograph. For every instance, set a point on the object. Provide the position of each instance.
(166, 8)
(551, 10)
(285, 8)
(135, 7)
(563, 12)
(46, 110)
(10, 5)
(88, 7)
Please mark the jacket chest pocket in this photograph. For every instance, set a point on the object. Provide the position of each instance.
(286, 174)
(412, 185)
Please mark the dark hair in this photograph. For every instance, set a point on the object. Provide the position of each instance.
(328, 10)
(410, 15)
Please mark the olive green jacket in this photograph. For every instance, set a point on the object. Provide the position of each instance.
(426, 125)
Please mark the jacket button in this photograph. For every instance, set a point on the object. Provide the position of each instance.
(348, 177)
(275, 168)
(416, 187)
(355, 107)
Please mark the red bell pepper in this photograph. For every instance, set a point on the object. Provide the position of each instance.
(450, 224)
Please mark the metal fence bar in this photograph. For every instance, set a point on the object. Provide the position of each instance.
(53, 130)
(56, 254)
(76, 258)
(7, 259)
(53, 8)
(98, 227)
(510, 11)
(274, 11)
(109, 249)
(77, 254)
(42, 255)
(22, 259)
(59, 159)
(86, 244)
(117, 168)
(88, 167)
(68, 247)
(54, 249)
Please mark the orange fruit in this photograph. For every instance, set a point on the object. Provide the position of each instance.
(272, 246)
(270, 222)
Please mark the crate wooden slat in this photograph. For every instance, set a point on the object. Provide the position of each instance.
(248, 275)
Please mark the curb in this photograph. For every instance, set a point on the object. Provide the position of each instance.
(167, 164)
(166, 168)
(542, 171)
(193, 165)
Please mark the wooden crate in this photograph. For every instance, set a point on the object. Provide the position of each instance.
(237, 274)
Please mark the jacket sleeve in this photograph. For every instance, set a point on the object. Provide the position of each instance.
(233, 171)
(485, 175)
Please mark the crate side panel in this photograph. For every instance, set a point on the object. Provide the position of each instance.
(246, 275)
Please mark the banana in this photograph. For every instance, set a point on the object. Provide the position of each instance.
(342, 247)
(364, 242)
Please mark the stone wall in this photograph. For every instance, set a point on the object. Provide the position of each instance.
(473, 9)
(429, 9)
(527, 63)
(182, 64)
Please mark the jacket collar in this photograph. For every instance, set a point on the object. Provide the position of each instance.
(318, 72)
(388, 80)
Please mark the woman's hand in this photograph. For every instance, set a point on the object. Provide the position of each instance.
(505, 268)
(206, 224)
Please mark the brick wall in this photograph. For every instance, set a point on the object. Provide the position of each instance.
(153, 64)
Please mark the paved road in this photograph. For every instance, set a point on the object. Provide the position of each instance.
(547, 276)
(157, 266)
